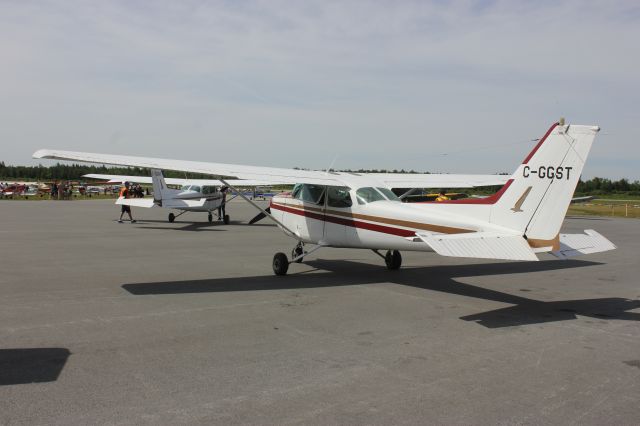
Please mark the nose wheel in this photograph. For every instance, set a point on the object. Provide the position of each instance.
(210, 217)
(280, 264)
(172, 217)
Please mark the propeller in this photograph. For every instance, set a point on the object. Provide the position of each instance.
(260, 216)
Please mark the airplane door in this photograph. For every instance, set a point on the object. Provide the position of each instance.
(337, 215)
(306, 212)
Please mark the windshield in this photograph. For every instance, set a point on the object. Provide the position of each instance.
(368, 195)
(185, 188)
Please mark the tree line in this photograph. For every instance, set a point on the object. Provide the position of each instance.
(75, 172)
(595, 186)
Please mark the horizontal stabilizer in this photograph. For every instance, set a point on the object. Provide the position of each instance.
(136, 202)
(577, 244)
(481, 245)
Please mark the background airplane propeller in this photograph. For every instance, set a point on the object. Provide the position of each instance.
(260, 216)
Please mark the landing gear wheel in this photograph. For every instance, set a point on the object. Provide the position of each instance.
(210, 218)
(172, 217)
(393, 259)
(280, 264)
(297, 251)
(225, 219)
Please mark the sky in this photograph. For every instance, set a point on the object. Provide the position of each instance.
(439, 86)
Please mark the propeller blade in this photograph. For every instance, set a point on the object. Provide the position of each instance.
(259, 216)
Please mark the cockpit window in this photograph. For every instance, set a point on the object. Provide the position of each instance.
(338, 196)
(368, 195)
(389, 194)
(185, 188)
(195, 188)
(309, 193)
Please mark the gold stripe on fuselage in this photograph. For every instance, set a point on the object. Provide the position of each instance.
(382, 220)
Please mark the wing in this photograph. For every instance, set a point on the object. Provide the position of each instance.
(273, 175)
(136, 202)
(427, 180)
(177, 181)
(264, 174)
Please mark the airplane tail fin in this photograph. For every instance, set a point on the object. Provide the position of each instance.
(536, 198)
(159, 186)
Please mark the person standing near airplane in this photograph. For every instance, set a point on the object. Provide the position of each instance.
(124, 192)
(222, 209)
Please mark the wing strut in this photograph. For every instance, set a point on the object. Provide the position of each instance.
(267, 214)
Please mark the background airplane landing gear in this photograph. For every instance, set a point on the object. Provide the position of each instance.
(172, 217)
(225, 219)
(280, 264)
(393, 259)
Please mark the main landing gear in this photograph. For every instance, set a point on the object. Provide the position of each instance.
(281, 262)
(392, 258)
(224, 219)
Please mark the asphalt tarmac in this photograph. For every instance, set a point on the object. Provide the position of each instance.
(159, 323)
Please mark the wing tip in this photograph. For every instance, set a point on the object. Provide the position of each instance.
(42, 153)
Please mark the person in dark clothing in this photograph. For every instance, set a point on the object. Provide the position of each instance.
(125, 193)
(222, 208)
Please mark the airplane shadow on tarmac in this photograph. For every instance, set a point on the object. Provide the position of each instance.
(524, 311)
(36, 365)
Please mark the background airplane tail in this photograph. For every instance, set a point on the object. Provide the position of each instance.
(160, 190)
(536, 198)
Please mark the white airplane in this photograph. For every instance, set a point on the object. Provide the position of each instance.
(352, 210)
(195, 195)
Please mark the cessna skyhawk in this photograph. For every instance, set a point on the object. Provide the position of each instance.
(195, 195)
(331, 209)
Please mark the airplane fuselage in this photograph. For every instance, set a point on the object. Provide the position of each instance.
(382, 224)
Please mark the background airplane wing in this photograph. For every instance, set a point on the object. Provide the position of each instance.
(177, 181)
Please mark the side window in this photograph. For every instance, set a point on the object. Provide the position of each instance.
(296, 190)
(338, 196)
(311, 193)
(368, 195)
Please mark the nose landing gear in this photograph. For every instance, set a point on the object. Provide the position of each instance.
(281, 262)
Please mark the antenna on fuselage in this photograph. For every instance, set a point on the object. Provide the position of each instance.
(331, 165)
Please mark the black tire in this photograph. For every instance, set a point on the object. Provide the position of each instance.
(393, 259)
(280, 264)
(226, 219)
(172, 217)
(210, 218)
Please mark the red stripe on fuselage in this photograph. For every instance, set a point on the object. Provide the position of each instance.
(347, 222)
(537, 147)
(492, 199)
